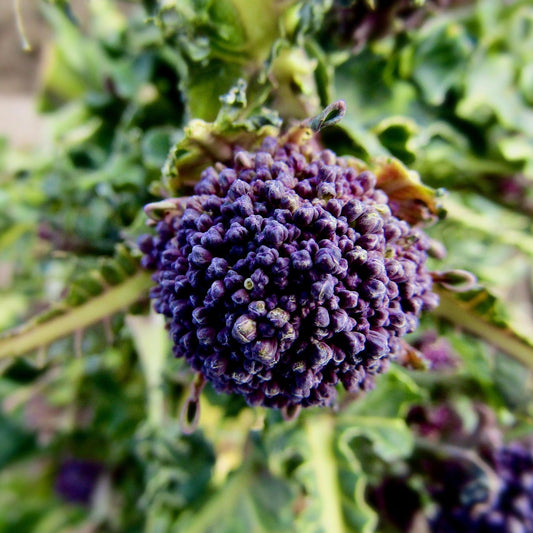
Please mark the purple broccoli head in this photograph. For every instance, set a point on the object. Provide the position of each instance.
(286, 274)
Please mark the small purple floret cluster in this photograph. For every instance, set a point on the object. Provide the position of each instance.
(285, 274)
(76, 480)
(510, 511)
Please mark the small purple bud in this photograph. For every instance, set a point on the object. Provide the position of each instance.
(266, 256)
(354, 343)
(289, 302)
(339, 319)
(322, 290)
(271, 390)
(241, 378)
(266, 351)
(278, 317)
(259, 278)
(352, 210)
(257, 309)
(204, 222)
(253, 223)
(252, 367)
(376, 344)
(357, 256)
(321, 317)
(325, 226)
(238, 188)
(304, 215)
(395, 270)
(348, 299)
(212, 238)
(226, 178)
(321, 353)
(217, 269)
(215, 365)
(236, 233)
(206, 336)
(241, 297)
(334, 207)
(275, 233)
(301, 260)
(353, 379)
(374, 289)
(326, 190)
(233, 280)
(274, 191)
(369, 222)
(216, 291)
(243, 206)
(244, 330)
(243, 160)
(328, 260)
(146, 244)
(370, 241)
(201, 316)
(392, 232)
(263, 159)
(367, 180)
(200, 256)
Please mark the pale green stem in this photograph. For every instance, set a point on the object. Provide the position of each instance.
(151, 342)
(320, 434)
(113, 300)
(501, 337)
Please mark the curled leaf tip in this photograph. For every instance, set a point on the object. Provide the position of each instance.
(290, 412)
(157, 210)
(190, 412)
(436, 249)
(190, 415)
(455, 280)
(331, 115)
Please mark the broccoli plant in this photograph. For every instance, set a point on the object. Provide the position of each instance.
(270, 270)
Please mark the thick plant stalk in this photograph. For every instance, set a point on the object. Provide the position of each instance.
(35, 335)
(497, 333)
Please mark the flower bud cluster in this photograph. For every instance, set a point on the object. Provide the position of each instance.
(287, 274)
(466, 508)
(77, 479)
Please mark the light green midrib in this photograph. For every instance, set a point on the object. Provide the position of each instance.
(504, 339)
(78, 318)
(320, 432)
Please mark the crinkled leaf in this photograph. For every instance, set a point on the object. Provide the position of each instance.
(251, 499)
(413, 200)
(437, 59)
(178, 472)
(206, 143)
(393, 392)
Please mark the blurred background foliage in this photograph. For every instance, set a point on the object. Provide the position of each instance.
(90, 438)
